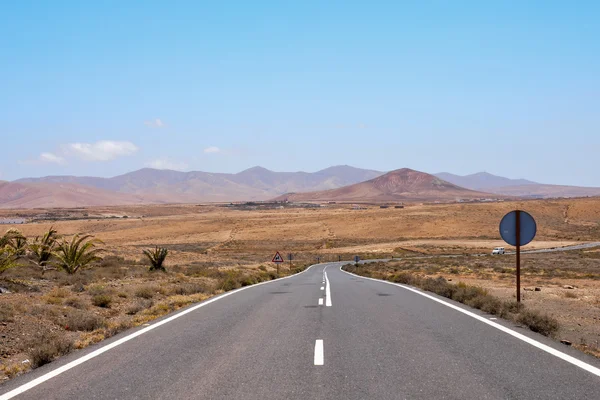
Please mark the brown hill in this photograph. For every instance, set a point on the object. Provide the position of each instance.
(399, 185)
(46, 195)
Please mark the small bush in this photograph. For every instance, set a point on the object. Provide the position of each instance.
(102, 300)
(465, 293)
(94, 290)
(262, 268)
(116, 327)
(159, 309)
(145, 292)
(511, 307)
(188, 288)
(439, 286)
(59, 292)
(404, 278)
(53, 300)
(75, 302)
(78, 287)
(571, 295)
(83, 321)
(45, 347)
(138, 306)
(540, 323)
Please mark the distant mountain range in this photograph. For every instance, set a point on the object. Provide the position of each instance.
(164, 186)
(482, 181)
(486, 182)
(400, 185)
(257, 183)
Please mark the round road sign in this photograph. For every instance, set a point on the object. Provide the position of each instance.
(508, 228)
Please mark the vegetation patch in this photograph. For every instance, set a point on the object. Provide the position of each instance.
(473, 296)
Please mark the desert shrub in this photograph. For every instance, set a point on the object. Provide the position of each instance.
(59, 292)
(510, 307)
(439, 286)
(116, 327)
(489, 304)
(46, 346)
(83, 321)
(189, 288)
(230, 283)
(95, 290)
(404, 278)
(102, 300)
(123, 295)
(571, 295)
(7, 313)
(138, 306)
(537, 322)
(159, 309)
(262, 268)
(465, 293)
(146, 292)
(78, 288)
(247, 280)
(75, 302)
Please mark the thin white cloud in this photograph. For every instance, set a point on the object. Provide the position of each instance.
(104, 150)
(165, 163)
(212, 149)
(52, 158)
(155, 123)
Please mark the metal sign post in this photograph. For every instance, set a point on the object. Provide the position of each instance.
(277, 259)
(518, 228)
(518, 233)
(290, 257)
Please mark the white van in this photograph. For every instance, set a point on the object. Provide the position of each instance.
(498, 250)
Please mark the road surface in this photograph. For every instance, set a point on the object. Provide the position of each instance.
(321, 334)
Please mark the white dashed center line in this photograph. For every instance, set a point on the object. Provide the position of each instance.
(319, 357)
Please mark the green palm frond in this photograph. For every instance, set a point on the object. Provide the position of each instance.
(80, 253)
(157, 258)
(8, 259)
(42, 249)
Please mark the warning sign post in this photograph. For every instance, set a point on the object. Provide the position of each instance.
(277, 259)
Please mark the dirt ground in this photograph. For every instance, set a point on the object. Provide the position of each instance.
(207, 241)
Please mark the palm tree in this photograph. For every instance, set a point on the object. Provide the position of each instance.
(42, 250)
(15, 239)
(7, 259)
(157, 258)
(80, 253)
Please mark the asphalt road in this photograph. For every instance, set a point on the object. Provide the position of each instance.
(378, 341)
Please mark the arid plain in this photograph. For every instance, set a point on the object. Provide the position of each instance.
(231, 237)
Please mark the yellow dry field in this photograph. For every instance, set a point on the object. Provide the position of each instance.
(211, 232)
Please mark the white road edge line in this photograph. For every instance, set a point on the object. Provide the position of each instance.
(327, 291)
(526, 339)
(322, 287)
(319, 357)
(321, 301)
(96, 353)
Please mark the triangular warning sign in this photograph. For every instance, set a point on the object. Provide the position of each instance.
(277, 258)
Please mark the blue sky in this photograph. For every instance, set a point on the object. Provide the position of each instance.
(103, 88)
